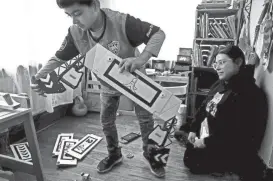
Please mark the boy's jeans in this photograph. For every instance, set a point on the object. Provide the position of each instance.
(109, 106)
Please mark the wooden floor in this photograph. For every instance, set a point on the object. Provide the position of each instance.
(133, 169)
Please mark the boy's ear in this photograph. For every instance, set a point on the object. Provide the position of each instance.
(239, 61)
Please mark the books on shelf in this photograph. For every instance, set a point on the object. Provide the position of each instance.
(215, 28)
(209, 27)
(216, 1)
(214, 4)
(204, 54)
(203, 90)
(213, 51)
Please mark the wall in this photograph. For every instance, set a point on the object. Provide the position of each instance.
(37, 27)
(264, 80)
(12, 32)
(105, 3)
(32, 32)
(175, 17)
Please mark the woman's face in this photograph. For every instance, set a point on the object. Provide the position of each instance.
(225, 67)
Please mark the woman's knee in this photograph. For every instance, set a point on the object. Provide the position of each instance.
(189, 159)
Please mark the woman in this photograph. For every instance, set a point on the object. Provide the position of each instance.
(233, 118)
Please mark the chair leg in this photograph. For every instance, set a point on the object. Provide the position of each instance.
(34, 148)
(7, 175)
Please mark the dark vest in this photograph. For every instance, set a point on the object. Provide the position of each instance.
(114, 39)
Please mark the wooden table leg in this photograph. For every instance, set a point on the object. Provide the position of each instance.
(34, 148)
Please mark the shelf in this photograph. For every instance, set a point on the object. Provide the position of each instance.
(218, 11)
(215, 39)
(203, 76)
(204, 68)
(198, 93)
(189, 118)
(213, 6)
(183, 63)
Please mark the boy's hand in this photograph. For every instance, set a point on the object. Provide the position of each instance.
(34, 85)
(131, 64)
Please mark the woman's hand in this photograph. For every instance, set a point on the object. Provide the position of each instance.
(192, 137)
(199, 143)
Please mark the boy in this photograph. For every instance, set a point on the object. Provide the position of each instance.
(121, 34)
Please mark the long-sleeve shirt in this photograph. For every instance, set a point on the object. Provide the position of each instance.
(237, 120)
(137, 31)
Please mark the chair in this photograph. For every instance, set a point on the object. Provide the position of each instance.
(6, 176)
(9, 118)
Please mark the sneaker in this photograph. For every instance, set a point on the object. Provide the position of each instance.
(157, 171)
(108, 163)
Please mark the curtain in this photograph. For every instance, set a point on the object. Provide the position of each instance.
(29, 38)
(31, 31)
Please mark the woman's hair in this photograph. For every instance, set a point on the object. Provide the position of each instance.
(67, 3)
(233, 52)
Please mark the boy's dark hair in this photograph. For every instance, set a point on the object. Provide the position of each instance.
(233, 52)
(67, 3)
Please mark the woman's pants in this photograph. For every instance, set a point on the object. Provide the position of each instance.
(208, 160)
